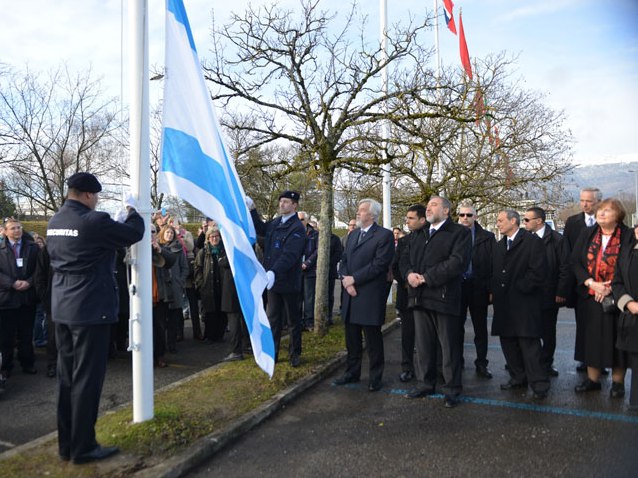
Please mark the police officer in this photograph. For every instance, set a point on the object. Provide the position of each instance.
(284, 241)
(84, 300)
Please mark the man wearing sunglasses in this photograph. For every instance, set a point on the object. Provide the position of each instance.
(475, 290)
(556, 285)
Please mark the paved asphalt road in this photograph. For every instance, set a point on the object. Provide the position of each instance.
(347, 431)
(27, 408)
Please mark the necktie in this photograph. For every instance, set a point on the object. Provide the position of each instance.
(590, 221)
(432, 231)
(509, 244)
(16, 252)
(362, 234)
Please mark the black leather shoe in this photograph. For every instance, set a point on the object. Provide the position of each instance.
(295, 361)
(450, 401)
(347, 378)
(98, 453)
(551, 371)
(407, 376)
(617, 390)
(587, 385)
(419, 392)
(539, 395)
(581, 367)
(604, 371)
(30, 370)
(513, 385)
(374, 386)
(483, 372)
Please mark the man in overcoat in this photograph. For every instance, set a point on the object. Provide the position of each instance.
(433, 264)
(284, 240)
(364, 271)
(82, 244)
(518, 273)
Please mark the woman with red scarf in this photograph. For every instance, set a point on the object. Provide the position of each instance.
(594, 261)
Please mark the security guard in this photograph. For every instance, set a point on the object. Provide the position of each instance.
(84, 300)
(284, 241)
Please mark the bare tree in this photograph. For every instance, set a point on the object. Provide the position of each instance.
(52, 126)
(313, 80)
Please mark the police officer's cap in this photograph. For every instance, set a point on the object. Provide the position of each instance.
(84, 182)
(292, 195)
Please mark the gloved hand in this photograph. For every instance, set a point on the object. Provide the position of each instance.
(121, 215)
(130, 201)
(270, 275)
(250, 203)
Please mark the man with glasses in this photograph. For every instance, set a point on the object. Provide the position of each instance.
(556, 285)
(475, 290)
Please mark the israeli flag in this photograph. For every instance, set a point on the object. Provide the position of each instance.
(196, 167)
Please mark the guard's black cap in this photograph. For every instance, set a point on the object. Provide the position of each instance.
(293, 195)
(84, 182)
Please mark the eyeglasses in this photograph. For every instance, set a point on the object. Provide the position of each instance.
(466, 214)
(153, 231)
(528, 219)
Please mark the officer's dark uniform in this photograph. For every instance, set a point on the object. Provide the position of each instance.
(82, 245)
(283, 248)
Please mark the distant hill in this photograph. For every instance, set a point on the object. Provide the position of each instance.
(612, 179)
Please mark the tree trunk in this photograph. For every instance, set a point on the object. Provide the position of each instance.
(323, 256)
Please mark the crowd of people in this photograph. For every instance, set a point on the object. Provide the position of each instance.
(443, 268)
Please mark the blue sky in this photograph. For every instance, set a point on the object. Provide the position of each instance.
(582, 53)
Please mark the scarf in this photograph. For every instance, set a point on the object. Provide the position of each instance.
(601, 264)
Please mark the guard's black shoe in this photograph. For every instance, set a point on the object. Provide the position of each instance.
(551, 371)
(483, 372)
(295, 361)
(98, 453)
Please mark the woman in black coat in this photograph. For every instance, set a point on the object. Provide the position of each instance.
(594, 260)
(208, 281)
(625, 290)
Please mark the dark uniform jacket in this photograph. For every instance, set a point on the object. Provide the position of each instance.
(402, 283)
(574, 226)
(441, 259)
(336, 251)
(557, 282)
(368, 262)
(82, 245)
(283, 248)
(625, 289)
(517, 286)
(10, 272)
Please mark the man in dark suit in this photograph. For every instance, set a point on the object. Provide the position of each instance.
(476, 284)
(84, 303)
(415, 220)
(18, 259)
(433, 264)
(518, 273)
(364, 271)
(284, 240)
(574, 226)
(556, 285)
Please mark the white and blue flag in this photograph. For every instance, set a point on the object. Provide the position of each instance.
(196, 167)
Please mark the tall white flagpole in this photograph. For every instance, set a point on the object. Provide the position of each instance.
(141, 314)
(387, 179)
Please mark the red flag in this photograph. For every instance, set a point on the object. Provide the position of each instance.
(448, 6)
(465, 55)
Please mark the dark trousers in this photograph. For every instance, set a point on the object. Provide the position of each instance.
(82, 354)
(309, 286)
(407, 340)
(523, 357)
(633, 391)
(173, 328)
(238, 331)
(548, 347)
(432, 328)
(52, 348)
(475, 298)
(17, 323)
(280, 308)
(215, 325)
(331, 298)
(193, 304)
(160, 320)
(374, 342)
